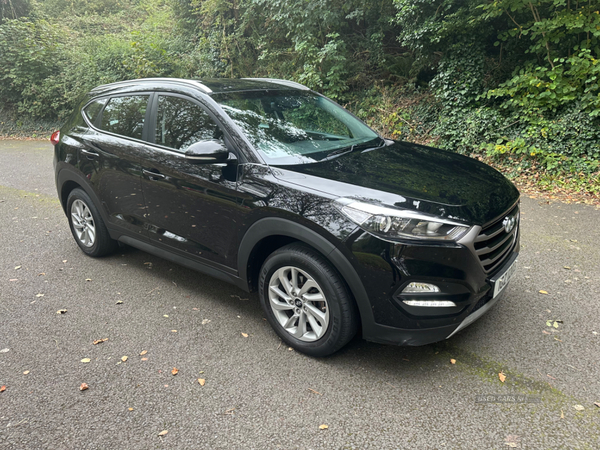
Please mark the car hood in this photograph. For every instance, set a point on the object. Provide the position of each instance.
(411, 176)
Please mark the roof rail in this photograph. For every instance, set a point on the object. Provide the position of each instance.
(282, 82)
(175, 80)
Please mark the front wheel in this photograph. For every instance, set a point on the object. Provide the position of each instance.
(87, 226)
(306, 301)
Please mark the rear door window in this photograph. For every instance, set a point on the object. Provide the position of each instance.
(181, 122)
(125, 115)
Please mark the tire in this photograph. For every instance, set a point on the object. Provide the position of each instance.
(87, 225)
(314, 290)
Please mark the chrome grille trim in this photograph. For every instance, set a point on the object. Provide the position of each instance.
(493, 245)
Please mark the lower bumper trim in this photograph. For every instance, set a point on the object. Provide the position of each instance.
(476, 315)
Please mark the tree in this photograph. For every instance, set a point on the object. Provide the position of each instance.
(13, 9)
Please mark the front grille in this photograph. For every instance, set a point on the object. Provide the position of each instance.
(494, 244)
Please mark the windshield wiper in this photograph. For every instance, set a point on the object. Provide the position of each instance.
(342, 151)
(338, 152)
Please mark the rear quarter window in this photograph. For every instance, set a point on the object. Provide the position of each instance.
(92, 110)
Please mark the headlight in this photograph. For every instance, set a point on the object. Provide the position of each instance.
(391, 223)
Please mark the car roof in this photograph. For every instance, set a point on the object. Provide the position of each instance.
(208, 86)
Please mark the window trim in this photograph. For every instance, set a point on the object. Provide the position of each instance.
(96, 124)
(154, 121)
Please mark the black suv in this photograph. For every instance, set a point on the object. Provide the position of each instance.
(272, 187)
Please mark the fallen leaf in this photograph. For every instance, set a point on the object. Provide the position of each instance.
(173, 331)
(124, 358)
(99, 341)
(543, 292)
(119, 302)
(202, 381)
(144, 359)
(323, 427)
(85, 360)
(548, 323)
(88, 279)
(163, 432)
(61, 311)
(314, 392)
(129, 409)
(165, 315)
(502, 377)
(5, 350)
(64, 260)
(245, 335)
(17, 268)
(452, 361)
(175, 371)
(555, 324)
(83, 387)
(26, 372)
(2, 388)
(143, 352)
(39, 295)
(545, 332)
(578, 407)
(202, 371)
(205, 321)
(14, 279)
(597, 404)
(512, 441)
(562, 414)
(567, 268)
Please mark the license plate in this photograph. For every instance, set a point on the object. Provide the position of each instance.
(503, 280)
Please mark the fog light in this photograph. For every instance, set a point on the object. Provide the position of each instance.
(420, 287)
(431, 303)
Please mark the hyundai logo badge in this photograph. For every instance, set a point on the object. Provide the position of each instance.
(509, 223)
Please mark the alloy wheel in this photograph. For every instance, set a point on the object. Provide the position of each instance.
(83, 223)
(298, 303)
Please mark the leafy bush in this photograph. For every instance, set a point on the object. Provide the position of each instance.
(329, 45)
(513, 81)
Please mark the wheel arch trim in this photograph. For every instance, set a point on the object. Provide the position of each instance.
(272, 226)
(64, 176)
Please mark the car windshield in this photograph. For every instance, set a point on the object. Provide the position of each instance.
(295, 127)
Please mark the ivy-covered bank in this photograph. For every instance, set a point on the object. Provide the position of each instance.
(514, 82)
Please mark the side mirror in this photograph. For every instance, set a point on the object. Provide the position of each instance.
(207, 152)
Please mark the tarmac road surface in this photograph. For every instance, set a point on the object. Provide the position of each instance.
(257, 393)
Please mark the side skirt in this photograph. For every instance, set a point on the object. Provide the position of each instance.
(186, 262)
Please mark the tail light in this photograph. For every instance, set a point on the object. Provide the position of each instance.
(55, 137)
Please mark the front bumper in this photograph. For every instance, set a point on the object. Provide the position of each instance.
(459, 270)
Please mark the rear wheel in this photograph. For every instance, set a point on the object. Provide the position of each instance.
(87, 225)
(306, 301)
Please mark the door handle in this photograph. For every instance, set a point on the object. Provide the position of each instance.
(90, 155)
(152, 175)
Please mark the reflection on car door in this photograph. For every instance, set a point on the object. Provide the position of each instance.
(110, 160)
(189, 207)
